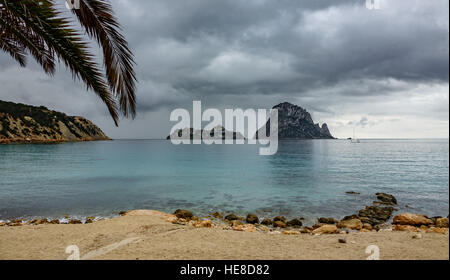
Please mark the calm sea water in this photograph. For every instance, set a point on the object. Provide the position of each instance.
(305, 179)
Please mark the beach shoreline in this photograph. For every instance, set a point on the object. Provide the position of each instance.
(153, 235)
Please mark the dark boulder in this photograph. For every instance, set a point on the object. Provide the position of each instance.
(375, 215)
(217, 215)
(351, 217)
(354, 193)
(252, 219)
(232, 217)
(267, 222)
(183, 214)
(279, 224)
(387, 198)
(329, 221)
(294, 223)
(280, 219)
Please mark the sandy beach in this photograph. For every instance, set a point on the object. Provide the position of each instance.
(152, 235)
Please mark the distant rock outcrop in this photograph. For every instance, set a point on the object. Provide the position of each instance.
(21, 123)
(294, 122)
(219, 133)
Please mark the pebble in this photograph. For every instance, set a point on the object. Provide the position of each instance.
(342, 240)
(417, 236)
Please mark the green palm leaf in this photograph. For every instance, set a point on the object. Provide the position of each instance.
(38, 28)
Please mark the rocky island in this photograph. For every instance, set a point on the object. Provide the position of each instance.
(294, 122)
(21, 123)
(218, 132)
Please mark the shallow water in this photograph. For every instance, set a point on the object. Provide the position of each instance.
(304, 179)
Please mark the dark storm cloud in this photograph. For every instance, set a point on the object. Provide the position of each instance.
(203, 47)
(332, 57)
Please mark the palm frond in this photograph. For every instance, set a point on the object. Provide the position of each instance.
(97, 17)
(63, 41)
(14, 29)
(9, 45)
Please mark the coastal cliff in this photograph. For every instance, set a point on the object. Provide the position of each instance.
(294, 122)
(21, 123)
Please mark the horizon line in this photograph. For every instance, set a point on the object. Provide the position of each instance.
(421, 138)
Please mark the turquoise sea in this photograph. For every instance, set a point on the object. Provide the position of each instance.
(306, 178)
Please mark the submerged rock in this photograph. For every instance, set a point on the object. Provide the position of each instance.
(354, 193)
(387, 198)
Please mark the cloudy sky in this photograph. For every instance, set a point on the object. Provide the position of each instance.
(385, 72)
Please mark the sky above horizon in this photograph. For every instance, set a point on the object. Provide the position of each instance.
(383, 72)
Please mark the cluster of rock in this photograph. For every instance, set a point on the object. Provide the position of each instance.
(377, 214)
(416, 222)
(45, 221)
(373, 218)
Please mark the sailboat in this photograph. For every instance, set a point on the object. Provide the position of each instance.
(354, 139)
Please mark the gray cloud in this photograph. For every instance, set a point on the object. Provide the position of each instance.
(338, 59)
